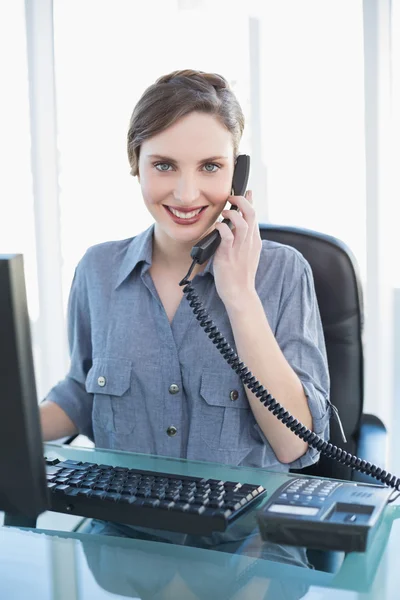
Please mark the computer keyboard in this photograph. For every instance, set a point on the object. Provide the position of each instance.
(193, 505)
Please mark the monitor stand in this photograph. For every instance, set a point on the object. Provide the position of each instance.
(14, 520)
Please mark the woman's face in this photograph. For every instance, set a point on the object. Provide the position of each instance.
(185, 173)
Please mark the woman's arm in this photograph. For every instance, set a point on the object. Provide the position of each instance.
(289, 362)
(67, 408)
(55, 422)
(258, 349)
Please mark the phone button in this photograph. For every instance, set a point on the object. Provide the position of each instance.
(350, 518)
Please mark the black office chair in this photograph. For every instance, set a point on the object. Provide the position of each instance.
(339, 293)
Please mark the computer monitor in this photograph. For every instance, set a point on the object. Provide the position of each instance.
(23, 489)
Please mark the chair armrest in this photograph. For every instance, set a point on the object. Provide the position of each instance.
(372, 446)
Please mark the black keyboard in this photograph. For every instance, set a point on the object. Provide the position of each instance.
(180, 503)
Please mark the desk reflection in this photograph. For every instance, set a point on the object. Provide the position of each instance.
(46, 565)
(165, 571)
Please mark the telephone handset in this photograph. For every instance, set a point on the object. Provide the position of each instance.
(208, 244)
(200, 253)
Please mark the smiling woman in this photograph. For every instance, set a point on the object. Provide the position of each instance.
(183, 139)
(151, 381)
(188, 189)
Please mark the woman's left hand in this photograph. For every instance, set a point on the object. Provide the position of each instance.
(237, 257)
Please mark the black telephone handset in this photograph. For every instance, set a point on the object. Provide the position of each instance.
(200, 253)
(208, 244)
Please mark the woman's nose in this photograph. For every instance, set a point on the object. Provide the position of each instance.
(186, 191)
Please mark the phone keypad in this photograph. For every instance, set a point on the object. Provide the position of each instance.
(308, 491)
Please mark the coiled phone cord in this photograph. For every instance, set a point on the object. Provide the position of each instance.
(312, 439)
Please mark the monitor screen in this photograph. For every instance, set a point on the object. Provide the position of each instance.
(23, 489)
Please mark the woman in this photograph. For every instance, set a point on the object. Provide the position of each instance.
(144, 377)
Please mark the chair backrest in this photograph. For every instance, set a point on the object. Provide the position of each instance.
(339, 294)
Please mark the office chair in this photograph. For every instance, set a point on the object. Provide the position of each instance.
(340, 300)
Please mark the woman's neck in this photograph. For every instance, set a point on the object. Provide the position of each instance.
(172, 255)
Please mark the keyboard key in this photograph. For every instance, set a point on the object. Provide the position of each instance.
(71, 465)
(143, 493)
(53, 470)
(84, 492)
(233, 505)
(62, 488)
(72, 492)
(115, 488)
(75, 483)
(216, 496)
(215, 482)
(215, 503)
(173, 497)
(196, 510)
(51, 461)
(166, 504)
(187, 497)
(98, 494)
(91, 478)
(62, 479)
(158, 495)
(69, 472)
(128, 499)
(180, 506)
(226, 514)
(249, 496)
(104, 481)
(200, 498)
(113, 497)
(151, 502)
(232, 485)
(176, 483)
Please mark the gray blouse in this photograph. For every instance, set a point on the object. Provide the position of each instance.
(139, 383)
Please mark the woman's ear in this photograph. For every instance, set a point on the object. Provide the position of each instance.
(137, 175)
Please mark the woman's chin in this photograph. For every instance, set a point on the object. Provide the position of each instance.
(185, 234)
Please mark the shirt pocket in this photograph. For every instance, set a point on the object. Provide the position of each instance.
(109, 380)
(225, 412)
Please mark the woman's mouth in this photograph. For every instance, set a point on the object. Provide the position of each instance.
(185, 217)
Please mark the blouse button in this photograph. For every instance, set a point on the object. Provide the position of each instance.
(101, 381)
(234, 395)
(171, 431)
(173, 389)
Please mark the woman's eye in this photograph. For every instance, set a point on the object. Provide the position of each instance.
(213, 168)
(165, 167)
(162, 166)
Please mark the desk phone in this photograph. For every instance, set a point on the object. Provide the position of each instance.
(324, 514)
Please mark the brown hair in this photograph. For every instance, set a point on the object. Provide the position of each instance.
(174, 96)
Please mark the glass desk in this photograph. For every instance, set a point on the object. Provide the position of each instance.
(55, 565)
